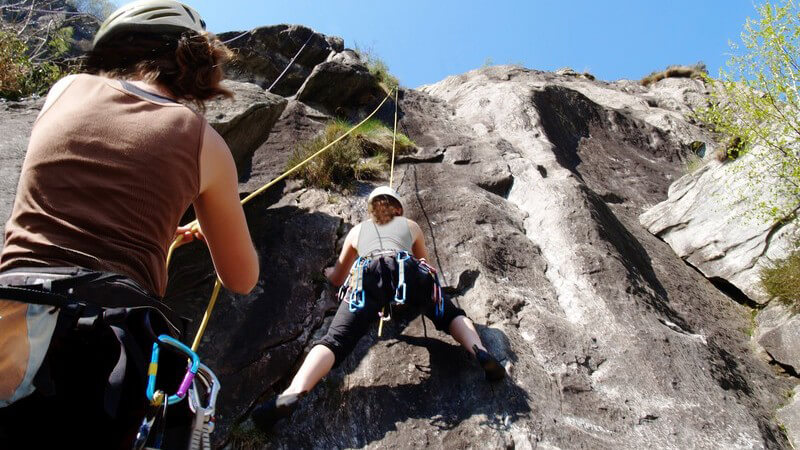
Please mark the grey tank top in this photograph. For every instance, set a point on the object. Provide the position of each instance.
(374, 238)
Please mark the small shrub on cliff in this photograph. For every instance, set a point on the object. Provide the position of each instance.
(693, 163)
(36, 41)
(696, 71)
(781, 279)
(363, 155)
(731, 151)
(378, 68)
(20, 74)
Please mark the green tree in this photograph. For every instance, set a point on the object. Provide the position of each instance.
(22, 75)
(756, 103)
(97, 8)
(36, 41)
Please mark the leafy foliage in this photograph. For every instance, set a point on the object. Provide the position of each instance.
(36, 42)
(781, 279)
(756, 104)
(365, 154)
(20, 75)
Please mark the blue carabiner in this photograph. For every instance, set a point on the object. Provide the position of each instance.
(153, 369)
(356, 297)
(398, 296)
(400, 292)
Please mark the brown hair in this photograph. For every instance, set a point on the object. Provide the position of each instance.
(383, 209)
(189, 64)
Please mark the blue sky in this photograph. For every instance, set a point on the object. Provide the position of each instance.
(424, 41)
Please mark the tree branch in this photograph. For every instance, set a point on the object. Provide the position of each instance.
(27, 20)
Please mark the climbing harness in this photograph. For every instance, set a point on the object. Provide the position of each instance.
(204, 418)
(352, 290)
(99, 304)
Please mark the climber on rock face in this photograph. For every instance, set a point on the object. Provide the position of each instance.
(115, 159)
(385, 258)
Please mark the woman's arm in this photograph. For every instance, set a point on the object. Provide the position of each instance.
(338, 273)
(221, 216)
(418, 249)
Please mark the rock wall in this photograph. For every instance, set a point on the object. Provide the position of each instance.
(710, 220)
(529, 186)
(262, 55)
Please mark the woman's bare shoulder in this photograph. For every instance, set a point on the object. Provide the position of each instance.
(56, 91)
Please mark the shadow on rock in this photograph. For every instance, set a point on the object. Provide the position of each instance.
(396, 385)
(252, 341)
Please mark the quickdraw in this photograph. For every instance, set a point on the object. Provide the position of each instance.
(352, 291)
(400, 292)
(204, 418)
(438, 298)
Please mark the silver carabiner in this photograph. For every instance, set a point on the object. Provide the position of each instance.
(203, 424)
(211, 386)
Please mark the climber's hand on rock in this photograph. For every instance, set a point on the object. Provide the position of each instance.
(328, 272)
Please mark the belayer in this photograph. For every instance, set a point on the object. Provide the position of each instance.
(115, 158)
(382, 262)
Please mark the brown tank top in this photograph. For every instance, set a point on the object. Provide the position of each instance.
(108, 173)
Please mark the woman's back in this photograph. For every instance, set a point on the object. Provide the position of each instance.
(393, 235)
(108, 173)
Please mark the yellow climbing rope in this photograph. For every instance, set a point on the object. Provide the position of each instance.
(394, 137)
(384, 317)
(194, 224)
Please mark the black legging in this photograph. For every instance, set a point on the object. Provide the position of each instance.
(380, 282)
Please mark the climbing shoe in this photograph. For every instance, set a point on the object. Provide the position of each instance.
(266, 414)
(491, 366)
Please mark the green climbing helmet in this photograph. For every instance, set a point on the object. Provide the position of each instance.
(157, 16)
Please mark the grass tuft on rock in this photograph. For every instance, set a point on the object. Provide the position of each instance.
(698, 71)
(363, 155)
(781, 279)
(693, 163)
(377, 67)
